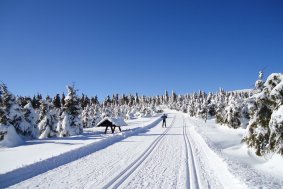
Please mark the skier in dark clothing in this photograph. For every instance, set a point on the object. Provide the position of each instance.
(164, 116)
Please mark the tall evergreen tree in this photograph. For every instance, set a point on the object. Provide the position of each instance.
(63, 100)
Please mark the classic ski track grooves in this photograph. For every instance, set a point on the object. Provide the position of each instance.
(121, 177)
(193, 181)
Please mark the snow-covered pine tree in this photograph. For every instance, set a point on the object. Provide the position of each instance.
(57, 101)
(10, 119)
(85, 101)
(232, 113)
(94, 101)
(275, 86)
(63, 100)
(258, 130)
(220, 106)
(137, 101)
(88, 117)
(36, 101)
(97, 114)
(85, 117)
(191, 107)
(166, 97)
(32, 118)
(70, 123)
(259, 84)
(47, 121)
(211, 105)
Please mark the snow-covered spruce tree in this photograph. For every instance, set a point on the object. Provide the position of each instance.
(11, 119)
(117, 112)
(232, 114)
(107, 111)
(48, 120)
(261, 108)
(166, 97)
(94, 101)
(211, 108)
(88, 116)
(70, 123)
(137, 101)
(220, 106)
(191, 108)
(36, 101)
(32, 118)
(258, 129)
(63, 100)
(275, 86)
(57, 101)
(97, 114)
(259, 84)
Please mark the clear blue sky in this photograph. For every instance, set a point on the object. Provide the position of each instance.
(143, 46)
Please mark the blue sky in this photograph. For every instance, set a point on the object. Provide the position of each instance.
(143, 46)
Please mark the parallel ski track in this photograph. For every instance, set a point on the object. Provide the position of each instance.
(121, 177)
(192, 176)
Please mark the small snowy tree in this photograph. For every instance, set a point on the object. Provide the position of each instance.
(10, 119)
(70, 123)
(32, 118)
(259, 84)
(88, 117)
(233, 115)
(57, 101)
(47, 120)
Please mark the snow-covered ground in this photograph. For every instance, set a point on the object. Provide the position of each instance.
(255, 171)
(189, 153)
(37, 151)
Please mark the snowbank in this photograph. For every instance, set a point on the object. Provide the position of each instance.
(255, 171)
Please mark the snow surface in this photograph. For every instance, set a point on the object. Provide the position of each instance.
(189, 153)
(52, 147)
(255, 171)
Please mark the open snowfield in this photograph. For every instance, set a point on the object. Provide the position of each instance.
(189, 153)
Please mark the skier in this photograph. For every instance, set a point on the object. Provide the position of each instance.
(164, 116)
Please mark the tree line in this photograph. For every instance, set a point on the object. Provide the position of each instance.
(257, 110)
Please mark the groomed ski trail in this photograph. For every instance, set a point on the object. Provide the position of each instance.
(173, 157)
(117, 181)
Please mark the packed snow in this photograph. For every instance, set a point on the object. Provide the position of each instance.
(189, 153)
(52, 147)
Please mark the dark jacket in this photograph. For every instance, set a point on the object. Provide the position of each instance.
(164, 117)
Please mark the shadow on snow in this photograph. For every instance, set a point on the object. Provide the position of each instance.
(29, 171)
